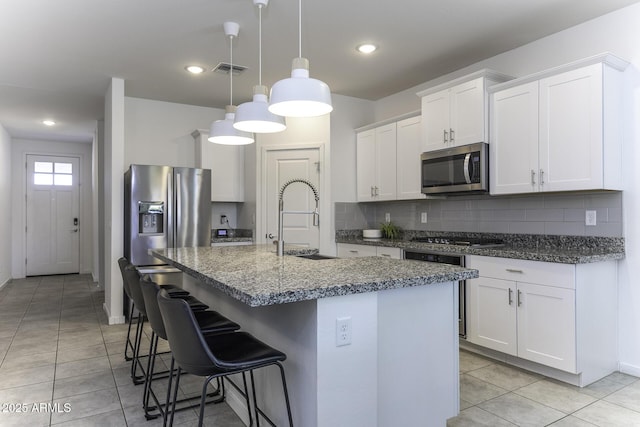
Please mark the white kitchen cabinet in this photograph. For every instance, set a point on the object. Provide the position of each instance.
(408, 167)
(227, 167)
(376, 163)
(349, 250)
(562, 316)
(558, 130)
(456, 113)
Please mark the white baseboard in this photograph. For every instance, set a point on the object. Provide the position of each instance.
(5, 283)
(629, 369)
(113, 320)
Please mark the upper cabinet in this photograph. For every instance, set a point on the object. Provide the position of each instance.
(456, 113)
(388, 161)
(558, 130)
(227, 167)
(376, 163)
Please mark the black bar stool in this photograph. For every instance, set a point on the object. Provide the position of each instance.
(172, 289)
(133, 277)
(213, 356)
(209, 322)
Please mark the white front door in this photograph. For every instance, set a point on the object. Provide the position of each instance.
(52, 207)
(282, 166)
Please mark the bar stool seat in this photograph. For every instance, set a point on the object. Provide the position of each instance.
(214, 356)
(210, 322)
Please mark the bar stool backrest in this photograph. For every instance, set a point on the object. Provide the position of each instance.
(150, 291)
(187, 343)
(131, 274)
(123, 263)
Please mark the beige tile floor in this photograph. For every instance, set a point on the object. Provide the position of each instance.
(494, 394)
(56, 349)
(57, 352)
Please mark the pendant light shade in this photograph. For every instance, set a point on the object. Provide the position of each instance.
(300, 95)
(255, 116)
(223, 132)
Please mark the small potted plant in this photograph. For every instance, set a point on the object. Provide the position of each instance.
(390, 230)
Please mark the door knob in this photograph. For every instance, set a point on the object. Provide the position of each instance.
(269, 236)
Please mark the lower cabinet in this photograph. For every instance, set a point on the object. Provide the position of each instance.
(558, 315)
(348, 250)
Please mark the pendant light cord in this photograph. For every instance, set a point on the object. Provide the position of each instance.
(299, 28)
(231, 70)
(260, 45)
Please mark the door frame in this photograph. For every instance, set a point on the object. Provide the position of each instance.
(20, 151)
(80, 226)
(327, 228)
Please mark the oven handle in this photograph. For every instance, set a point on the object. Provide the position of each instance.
(467, 161)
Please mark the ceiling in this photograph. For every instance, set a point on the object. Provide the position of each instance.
(58, 56)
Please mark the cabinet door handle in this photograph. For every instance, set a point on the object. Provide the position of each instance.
(513, 270)
(372, 193)
(541, 177)
(510, 296)
(519, 297)
(533, 177)
(387, 255)
(446, 136)
(451, 135)
(376, 192)
(353, 251)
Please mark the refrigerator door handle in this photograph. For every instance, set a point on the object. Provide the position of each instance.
(178, 201)
(170, 233)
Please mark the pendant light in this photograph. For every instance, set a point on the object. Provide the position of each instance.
(300, 95)
(255, 116)
(222, 131)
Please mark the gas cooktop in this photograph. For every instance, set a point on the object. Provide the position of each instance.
(461, 241)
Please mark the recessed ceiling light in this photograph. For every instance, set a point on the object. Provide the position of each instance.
(366, 48)
(194, 69)
(48, 122)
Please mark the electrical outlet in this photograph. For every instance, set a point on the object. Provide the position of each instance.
(387, 217)
(423, 217)
(343, 331)
(223, 219)
(590, 218)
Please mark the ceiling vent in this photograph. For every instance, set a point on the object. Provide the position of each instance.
(225, 67)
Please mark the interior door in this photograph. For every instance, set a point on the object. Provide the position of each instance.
(282, 166)
(53, 221)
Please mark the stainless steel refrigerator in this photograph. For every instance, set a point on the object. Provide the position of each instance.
(165, 207)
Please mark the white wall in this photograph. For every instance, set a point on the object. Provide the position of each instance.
(159, 133)
(114, 199)
(20, 149)
(618, 33)
(5, 200)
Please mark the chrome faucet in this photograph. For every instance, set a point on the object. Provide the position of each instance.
(281, 211)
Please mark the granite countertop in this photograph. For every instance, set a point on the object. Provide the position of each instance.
(559, 249)
(231, 239)
(256, 276)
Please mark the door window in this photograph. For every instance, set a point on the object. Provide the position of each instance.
(53, 173)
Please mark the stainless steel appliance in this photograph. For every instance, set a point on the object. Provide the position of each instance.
(165, 207)
(462, 169)
(430, 256)
(453, 259)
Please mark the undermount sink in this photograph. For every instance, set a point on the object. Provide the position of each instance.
(316, 256)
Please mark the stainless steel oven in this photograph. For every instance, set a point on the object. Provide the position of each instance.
(429, 256)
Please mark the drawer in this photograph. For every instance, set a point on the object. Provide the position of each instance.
(383, 251)
(518, 270)
(347, 250)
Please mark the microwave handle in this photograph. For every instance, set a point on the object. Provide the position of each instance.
(467, 161)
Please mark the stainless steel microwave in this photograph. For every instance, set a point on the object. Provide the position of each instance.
(462, 169)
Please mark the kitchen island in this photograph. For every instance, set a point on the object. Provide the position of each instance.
(401, 367)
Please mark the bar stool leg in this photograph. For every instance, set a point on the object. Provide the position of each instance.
(128, 345)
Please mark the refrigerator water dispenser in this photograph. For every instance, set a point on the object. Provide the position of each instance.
(151, 217)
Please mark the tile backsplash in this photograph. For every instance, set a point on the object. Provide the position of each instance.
(550, 214)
